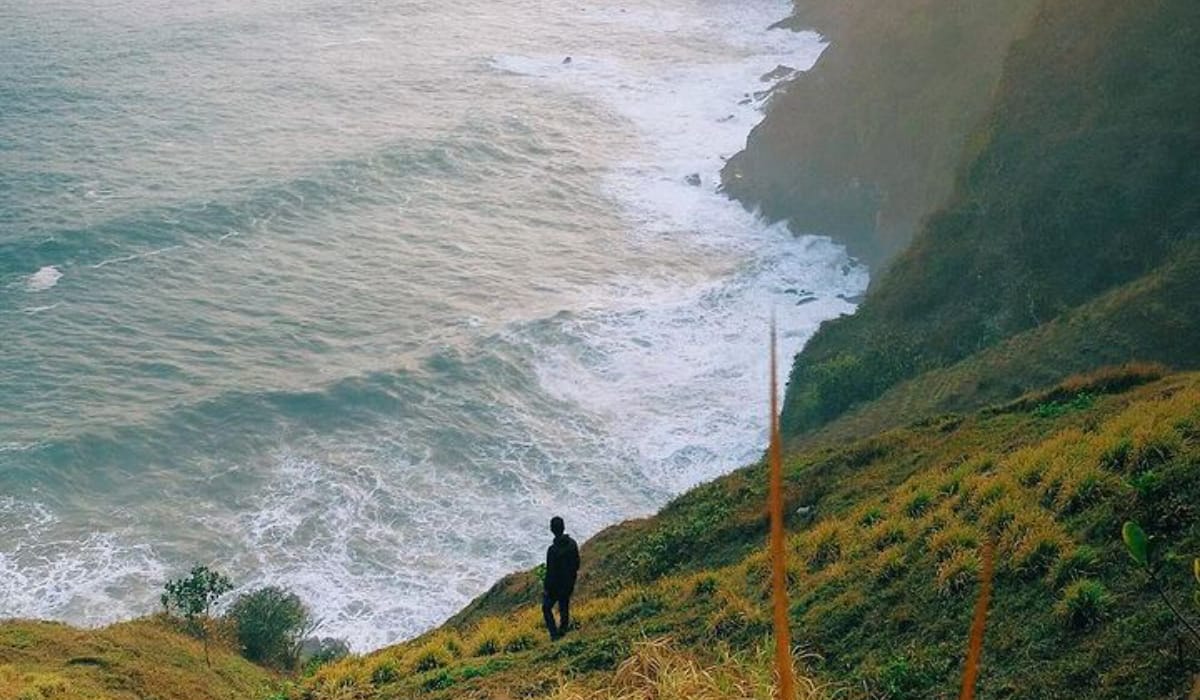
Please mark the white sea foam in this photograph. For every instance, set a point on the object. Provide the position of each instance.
(43, 279)
(679, 373)
(50, 570)
(382, 548)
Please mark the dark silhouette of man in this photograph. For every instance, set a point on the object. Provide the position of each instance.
(562, 565)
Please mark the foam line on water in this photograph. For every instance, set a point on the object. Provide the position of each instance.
(135, 256)
(31, 310)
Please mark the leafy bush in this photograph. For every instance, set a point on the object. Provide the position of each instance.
(271, 622)
(193, 597)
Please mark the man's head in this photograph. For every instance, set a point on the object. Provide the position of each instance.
(556, 526)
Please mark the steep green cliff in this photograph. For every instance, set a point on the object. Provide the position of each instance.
(1084, 177)
(865, 143)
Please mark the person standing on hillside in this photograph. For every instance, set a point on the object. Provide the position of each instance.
(562, 565)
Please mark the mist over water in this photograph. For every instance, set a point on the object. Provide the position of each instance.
(352, 297)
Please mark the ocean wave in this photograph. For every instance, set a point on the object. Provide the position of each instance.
(385, 175)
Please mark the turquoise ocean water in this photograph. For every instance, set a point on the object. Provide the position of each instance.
(352, 296)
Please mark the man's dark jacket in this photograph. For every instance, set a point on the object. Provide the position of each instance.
(562, 565)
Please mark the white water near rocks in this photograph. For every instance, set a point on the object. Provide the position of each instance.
(353, 298)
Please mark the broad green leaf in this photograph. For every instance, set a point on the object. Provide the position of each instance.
(1135, 542)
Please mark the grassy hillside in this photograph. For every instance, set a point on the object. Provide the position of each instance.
(136, 660)
(882, 575)
(1084, 178)
(1153, 317)
(866, 143)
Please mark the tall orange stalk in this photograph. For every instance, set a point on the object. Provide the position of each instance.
(975, 646)
(783, 644)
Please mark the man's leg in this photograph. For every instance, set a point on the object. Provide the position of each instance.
(564, 614)
(548, 615)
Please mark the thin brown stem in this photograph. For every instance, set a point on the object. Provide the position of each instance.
(1174, 611)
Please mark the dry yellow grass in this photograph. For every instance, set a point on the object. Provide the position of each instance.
(144, 658)
(658, 670)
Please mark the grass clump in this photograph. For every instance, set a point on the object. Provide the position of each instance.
(918, 504)
(1084, 604)
(1081, 562)
(431, 657)
(958, 573)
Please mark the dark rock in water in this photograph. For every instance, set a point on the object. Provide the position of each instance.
(804, 295)
(852, 298)
(781, 71)
(693, 179)
(726, 118)
(745, 101)
(567, 60)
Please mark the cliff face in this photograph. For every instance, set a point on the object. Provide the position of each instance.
(1083, 177)
(863, 145)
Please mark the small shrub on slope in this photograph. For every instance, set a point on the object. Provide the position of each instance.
(1084, 604)
(271, 622)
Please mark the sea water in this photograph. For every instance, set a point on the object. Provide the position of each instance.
(352, 296)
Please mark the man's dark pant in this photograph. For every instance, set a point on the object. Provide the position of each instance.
(564, 613)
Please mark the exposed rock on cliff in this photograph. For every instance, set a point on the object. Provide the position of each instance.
(864, 144)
